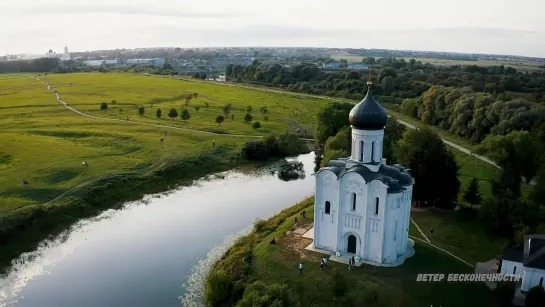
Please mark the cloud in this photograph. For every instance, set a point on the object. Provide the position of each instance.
(71, 9)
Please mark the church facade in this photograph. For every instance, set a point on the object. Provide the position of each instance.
(362, 206)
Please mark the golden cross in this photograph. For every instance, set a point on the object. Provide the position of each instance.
(369, 82)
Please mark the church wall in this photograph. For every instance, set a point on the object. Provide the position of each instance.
(369, 137)
(352, 217)
(375, 222)
(326, 225)
(406, 203)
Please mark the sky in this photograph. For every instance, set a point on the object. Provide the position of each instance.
(469, 26)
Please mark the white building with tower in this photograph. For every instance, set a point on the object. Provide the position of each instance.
(66, 55)
(362, 206)
(50, 54)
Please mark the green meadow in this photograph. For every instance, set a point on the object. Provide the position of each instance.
(86, 92)
(46, 144)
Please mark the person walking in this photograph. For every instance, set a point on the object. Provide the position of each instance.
(350, 264)
(300, 267)
(322, 264)
(213, 143)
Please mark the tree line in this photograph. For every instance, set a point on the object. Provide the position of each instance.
(396, 79)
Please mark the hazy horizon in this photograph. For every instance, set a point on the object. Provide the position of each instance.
(486, 26)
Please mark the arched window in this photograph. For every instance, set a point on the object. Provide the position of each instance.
(327, 207)
(361, 150)
(514, 270)
(373, 152)
(376, 205)
(353, 201)
(541, 281)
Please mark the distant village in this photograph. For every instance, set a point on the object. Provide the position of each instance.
(213, 61)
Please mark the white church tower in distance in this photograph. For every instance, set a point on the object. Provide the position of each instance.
(66, 55)
(362, 206)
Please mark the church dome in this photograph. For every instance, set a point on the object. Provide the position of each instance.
(368, 114)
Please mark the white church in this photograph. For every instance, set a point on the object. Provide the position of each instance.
(362, 206)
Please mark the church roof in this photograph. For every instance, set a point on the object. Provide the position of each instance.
(395, 177)
(368, 114)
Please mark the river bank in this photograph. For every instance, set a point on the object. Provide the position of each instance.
(252, 269)
(22, 230)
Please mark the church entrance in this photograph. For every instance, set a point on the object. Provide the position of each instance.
(351, 247)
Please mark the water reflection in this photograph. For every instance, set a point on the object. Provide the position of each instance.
(291, 170)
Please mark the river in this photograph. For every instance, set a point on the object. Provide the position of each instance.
(154, 251)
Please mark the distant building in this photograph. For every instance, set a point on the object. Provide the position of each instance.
(118, 62)
(66, 55)
(332, 66)
(223, 62)
(358, 66)
(50, 54)
(94, 62)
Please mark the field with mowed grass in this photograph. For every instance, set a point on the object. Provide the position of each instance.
(86, 92)
(519, 64)
(44, 143)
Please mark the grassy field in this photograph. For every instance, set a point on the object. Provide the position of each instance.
(45, 144)
(86, 92)
(460, 234)
(519, 65)
(393, 286)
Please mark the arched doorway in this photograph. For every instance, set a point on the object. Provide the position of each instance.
(351, 247)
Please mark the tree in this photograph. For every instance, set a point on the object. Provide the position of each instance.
(248, 109)
(113, 101)
(393, 132)
(247, 118)
(256, 125)
(159, 113)
(104, 106)
(473, 195)
(141, 110)
(219, 119)
(195, 95)
(185, 114)
(197, 108)
(332, 118)
(535, 297)
(227, 109)
(433, 167)
(172, 113)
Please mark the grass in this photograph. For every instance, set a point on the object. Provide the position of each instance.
(459, 233)
(44, 143)
(393, 286)
(86, 92)
(519, 64)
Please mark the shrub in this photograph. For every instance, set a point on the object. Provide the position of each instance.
(104, 106)
(254, 150)
(256, 125)
(247, 118)
(141, 110)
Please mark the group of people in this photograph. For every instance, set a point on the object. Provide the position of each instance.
(303, 213)
(323, 263)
